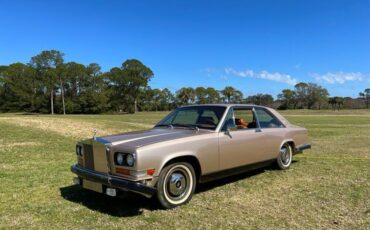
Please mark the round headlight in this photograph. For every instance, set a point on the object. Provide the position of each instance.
(130, 159)
(77, 150)
(120, 158)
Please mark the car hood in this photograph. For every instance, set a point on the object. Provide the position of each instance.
(146, 137)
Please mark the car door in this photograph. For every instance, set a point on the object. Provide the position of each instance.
(240, 145)
(274, 132)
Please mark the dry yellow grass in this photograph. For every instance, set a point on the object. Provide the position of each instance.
(65, 127)
(3, 144)
(68, 127)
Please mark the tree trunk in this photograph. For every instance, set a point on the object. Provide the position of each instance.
(135, 105)
(52, 101)
(62, 92)
(33, 96)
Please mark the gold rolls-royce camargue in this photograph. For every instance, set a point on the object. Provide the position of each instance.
(191, 145)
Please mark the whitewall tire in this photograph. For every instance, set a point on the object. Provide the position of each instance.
(176, 184)
(285, 156)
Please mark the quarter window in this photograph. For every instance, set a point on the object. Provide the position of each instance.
(267, 120)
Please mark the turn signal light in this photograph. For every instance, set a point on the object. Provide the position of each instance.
(134, 173)
(123, 171)
(150, 172)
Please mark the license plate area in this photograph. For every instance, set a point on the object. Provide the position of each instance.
(94, 186)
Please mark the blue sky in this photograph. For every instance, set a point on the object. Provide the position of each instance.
(256, 46)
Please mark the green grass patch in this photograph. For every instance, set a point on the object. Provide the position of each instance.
(327, 187)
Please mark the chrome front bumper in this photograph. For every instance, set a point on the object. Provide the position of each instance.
(113, 181)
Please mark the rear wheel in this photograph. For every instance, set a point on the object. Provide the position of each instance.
(285, 157)
(176, 184)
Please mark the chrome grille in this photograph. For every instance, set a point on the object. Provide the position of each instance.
(88, 156)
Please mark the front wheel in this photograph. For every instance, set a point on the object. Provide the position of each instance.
(285, 157)
(176, 184)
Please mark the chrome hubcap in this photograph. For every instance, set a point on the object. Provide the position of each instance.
(285, 155)
(176, 184)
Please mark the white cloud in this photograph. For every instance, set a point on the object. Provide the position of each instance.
(209, 71)
(278, 77)
(340, 77)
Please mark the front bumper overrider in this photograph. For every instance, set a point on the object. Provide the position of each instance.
(113, 181)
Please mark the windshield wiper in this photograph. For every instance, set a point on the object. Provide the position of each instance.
(194, 127)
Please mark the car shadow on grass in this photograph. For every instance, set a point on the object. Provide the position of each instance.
(126, 205)
(131, 204)
(231, 179)
(204, 187)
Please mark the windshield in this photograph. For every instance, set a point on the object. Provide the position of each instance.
(203, 117)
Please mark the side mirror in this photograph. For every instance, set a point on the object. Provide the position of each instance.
(228, 131)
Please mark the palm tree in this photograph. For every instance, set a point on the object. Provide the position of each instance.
(332, 101)
(336, 102)
(201, 95)
(228, 93)
(238, 97)
(213, 96)
(366, 96)
(186, 95)
(340, 102)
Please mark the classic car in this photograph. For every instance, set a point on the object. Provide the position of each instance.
(192, 145)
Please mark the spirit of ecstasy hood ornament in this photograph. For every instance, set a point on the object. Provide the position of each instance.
(94, 133)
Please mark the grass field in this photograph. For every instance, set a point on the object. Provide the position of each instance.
(327, 187)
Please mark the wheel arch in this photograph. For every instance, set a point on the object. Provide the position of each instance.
(189, 158)
(290, 142)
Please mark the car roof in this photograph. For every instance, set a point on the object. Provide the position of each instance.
(227, 105)
(271, 110)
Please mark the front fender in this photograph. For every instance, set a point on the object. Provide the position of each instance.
(173, 156)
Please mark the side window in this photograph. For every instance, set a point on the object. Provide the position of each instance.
(244, 118)
(240, 118)
(267, 120)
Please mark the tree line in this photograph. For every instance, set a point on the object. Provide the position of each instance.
(48, 84)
